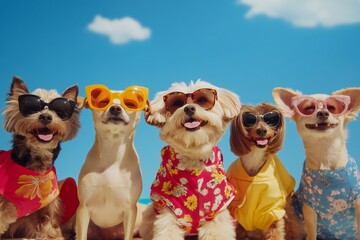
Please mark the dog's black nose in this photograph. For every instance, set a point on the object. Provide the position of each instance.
(115, 110)
(45, 118)
(261, 132)
(190, 110)
(322, 115)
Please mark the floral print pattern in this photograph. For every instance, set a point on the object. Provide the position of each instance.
(332, 193)
(28, 190)
(194, 196)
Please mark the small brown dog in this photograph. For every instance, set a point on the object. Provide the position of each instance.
(29, 203)
(262, 182)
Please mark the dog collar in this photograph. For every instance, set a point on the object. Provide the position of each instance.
(28, 190)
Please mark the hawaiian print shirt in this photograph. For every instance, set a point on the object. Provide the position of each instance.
(28, 190)
(332, 193)
(194, 196)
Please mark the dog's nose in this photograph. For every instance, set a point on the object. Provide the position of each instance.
(261, 132)
(45, 118)
(190, 110)
(115, 110)
(322, 115)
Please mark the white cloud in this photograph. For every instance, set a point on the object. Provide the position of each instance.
(120, 31)
(307, 13)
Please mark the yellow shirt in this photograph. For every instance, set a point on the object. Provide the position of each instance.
(260, 200)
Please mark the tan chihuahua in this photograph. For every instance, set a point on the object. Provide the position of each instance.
(330, 186)
(110, 180)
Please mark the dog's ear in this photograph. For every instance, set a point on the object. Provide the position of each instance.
(81, 103)
(154, 112)
(229, 102)
(71, 93)
(278, 140)
(239, 143)
(18, 87)
(282, 98)
(354, 106)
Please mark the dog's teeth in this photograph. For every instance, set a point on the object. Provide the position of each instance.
(316, 125)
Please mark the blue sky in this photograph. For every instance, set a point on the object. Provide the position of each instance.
(246, 46)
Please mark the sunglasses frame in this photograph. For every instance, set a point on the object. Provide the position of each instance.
(43, 105)
(295, 101)
(190, 95)
(116, 95)
(262, 117)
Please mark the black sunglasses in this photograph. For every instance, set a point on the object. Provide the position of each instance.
(30, 104)
(271, 118)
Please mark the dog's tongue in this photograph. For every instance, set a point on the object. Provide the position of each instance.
(45, 135)
(262, 142)
(193, 124)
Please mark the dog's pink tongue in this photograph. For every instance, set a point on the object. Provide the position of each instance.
(262, 142)
(193, 124)
(46, 137)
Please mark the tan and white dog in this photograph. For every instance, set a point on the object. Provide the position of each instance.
(330, 185)
(110, 180)
(191, 193)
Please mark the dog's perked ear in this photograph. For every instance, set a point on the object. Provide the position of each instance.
(282, 98)
(18, 87)
(71, 93)
(82, 103)
(155, 112)
(230, 103)
(354, 106)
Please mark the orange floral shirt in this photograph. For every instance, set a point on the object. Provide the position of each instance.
(194, 196)
(28, 190)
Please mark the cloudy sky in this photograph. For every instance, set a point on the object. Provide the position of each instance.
(247, 46)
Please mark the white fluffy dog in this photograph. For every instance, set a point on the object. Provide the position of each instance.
(191, 193)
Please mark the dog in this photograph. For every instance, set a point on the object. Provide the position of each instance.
(329, 190)
(262, 183)
(190, 193)
(110, 182)
(40, 121)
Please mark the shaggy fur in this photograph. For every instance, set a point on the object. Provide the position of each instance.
(191, 146)
(36, 155)
(324, 137)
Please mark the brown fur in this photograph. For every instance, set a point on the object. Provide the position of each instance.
(242, 143)
(35, 155)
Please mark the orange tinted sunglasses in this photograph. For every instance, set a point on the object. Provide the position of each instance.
(133, 98)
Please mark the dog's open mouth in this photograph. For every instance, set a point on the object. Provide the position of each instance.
(321, 126)
(43, 134)
(261, 142)
(193, 124)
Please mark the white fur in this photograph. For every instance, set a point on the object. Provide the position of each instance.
(325, 150)
(110, 179)
(191, 148)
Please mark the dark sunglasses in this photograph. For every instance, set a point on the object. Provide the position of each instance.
(204, 97)
(30, 104)
(271, 118)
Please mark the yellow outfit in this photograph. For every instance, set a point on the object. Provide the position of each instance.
(260, 200)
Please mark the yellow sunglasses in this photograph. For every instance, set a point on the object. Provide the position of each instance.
(133, 98)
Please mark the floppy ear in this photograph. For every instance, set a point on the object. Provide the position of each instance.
(155, 113)
(282, 98)
(239, 142)
(229, 102)
(354, 106)
(82, 103)
(279, 137)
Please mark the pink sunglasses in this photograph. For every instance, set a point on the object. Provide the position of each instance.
(306, 105)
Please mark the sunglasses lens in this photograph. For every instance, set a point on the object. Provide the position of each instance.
(272, 119)
(204, 97)
(249, 120)
(63, 107)
(307, 107)
(29, 104)
(336, 106)
(174, 100)
(134, 99)
(100, 98)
